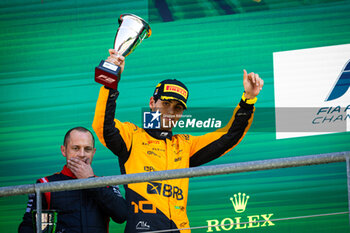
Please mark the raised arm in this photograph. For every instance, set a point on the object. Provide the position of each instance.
(210, 146)
(113, 134)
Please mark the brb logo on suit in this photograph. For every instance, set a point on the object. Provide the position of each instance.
(311, 91)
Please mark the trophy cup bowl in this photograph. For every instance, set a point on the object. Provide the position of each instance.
(132, 30)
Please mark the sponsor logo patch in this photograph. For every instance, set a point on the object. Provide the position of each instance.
(165, 190)
(153, 153)
(149, 169)
(142, 225)
(175, 89)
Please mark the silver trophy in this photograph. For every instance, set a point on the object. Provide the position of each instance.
(132, 30)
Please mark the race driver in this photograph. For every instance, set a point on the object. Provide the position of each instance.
(162, 205)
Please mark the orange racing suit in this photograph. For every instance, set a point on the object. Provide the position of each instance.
(161, 205)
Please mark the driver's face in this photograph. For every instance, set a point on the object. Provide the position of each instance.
(171, 111)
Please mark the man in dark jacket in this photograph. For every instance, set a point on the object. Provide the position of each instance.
(85, 211)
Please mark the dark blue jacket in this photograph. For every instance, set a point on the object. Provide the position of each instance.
(83, 211)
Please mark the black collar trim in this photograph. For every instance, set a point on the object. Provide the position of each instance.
(159, 134)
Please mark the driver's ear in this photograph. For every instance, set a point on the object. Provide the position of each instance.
(152, 103)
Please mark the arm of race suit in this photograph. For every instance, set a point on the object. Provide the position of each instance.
(112, 133)
(111, 202)
(210, 146)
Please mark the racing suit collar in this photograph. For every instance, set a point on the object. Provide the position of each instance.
(159, 134)
(65, 171)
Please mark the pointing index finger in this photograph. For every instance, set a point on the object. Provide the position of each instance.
(245, 75)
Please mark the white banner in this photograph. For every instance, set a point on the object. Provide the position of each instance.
(311, 91)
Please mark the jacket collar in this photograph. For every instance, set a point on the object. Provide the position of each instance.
(159, 134)
(65, 171)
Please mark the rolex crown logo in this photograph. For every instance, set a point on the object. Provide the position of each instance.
(241, 203)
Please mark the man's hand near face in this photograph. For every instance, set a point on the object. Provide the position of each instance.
(80, 168)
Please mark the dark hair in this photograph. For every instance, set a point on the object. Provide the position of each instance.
(80, 129)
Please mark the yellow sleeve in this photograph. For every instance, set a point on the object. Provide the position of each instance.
(112, 133)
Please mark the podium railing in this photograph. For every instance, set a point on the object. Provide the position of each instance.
(175, 174)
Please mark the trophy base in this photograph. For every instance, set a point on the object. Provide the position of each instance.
(107, 74)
